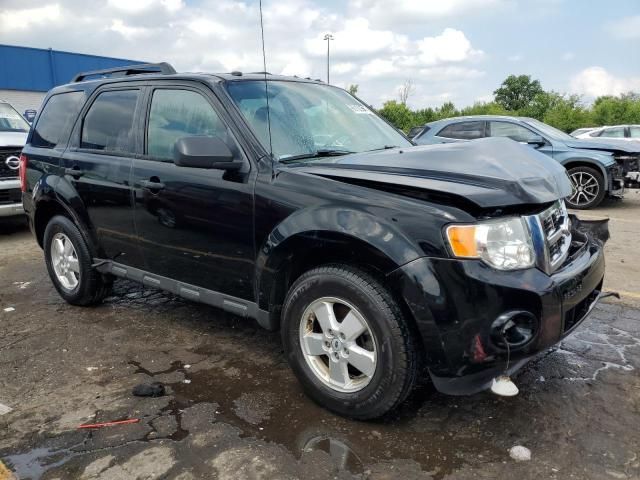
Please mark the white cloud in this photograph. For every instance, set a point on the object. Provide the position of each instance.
(403, 12)
(378, 67)
(596, 81)
(343, 67)
(450, 46)
(25, 18)
(627, 28)
(357, 38)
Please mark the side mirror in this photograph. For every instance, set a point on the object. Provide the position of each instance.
(536, 141)
(204, 152)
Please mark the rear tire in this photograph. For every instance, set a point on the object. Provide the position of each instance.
(380, 363)
(68, 258)
(589, 188)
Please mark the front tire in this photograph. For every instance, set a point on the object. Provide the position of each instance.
(589, 188)
(68, 258)
(348, 342)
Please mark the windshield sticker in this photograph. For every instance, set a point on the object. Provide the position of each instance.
(361, 109)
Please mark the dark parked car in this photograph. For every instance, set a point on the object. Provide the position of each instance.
(310, 214)
(596, 168)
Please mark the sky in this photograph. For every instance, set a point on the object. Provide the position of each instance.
(451, 50)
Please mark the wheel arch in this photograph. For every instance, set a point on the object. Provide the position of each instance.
(66, 202)
(309, 249)
(587, 162)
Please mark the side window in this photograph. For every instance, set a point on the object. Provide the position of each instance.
(614, 132)
(634, 132)
(179, 113)
(463, 130)
(510, 130)
(56, 119)
(108, 125)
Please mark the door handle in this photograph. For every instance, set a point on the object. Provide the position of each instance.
(151, 185)
(75, 172)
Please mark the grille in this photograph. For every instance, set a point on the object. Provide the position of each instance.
(554, 223)
(5, 171)
(11, 195)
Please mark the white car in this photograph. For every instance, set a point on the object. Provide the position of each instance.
(627, 133)
(13, 135)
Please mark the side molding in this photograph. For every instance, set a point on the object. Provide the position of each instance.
(194, 293)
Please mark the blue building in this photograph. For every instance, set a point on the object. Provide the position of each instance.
(26, 74)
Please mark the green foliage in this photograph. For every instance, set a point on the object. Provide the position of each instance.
(517, 92)
(566, 112)
(353, 89)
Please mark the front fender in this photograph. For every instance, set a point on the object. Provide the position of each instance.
(367, 232)
(601, 162)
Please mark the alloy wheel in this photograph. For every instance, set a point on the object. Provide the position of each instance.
(338, 344)
(585, 188)
(64, 260)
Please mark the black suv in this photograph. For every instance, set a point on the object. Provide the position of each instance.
(291, 202)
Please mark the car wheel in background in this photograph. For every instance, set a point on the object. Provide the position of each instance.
(348, 342)
(589, 188)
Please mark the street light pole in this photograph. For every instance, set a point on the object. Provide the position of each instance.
(328, 37)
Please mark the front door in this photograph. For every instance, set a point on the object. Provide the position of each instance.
(98, 164)
(195, 225)
(519, 134)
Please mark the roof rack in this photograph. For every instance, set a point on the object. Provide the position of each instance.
(141, 68)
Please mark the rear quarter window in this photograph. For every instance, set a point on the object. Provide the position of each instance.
(56, 119)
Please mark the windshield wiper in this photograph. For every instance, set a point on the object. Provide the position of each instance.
(320, 153)
(386, 147)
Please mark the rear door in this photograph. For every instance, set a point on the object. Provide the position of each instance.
(195, 224)
(98, 164)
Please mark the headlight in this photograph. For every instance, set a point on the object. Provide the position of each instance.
(503, 244)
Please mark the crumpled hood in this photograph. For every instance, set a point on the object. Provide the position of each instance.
(605, 145)
(491, 172)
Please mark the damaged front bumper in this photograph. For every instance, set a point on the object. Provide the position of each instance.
(460, 307)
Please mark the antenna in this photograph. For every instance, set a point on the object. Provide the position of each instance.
(266, 88)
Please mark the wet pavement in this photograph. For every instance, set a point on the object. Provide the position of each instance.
(233, 409)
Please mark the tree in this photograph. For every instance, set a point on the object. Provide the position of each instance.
(405, 91)
(517, 92)
(353, 89)
(398, 114)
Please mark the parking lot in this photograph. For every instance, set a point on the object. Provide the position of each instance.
(235, 411)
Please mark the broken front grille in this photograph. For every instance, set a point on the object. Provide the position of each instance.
(554, 223)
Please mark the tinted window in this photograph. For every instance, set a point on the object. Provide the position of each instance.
(56, 119)
(614, 132)
(179, 113)
(463, 130)
(634, 132)
(510, 130)
(108, 125)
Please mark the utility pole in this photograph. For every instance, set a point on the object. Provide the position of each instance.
(328, 37)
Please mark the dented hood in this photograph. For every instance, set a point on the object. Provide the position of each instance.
(491, 172)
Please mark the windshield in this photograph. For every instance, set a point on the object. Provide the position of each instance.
(11, 121)
(310, 120)
(548, 130)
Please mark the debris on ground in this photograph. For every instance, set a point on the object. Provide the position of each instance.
(9, 309)
(155, 389)
(520, 453)
(4, 409)
(110, 424)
